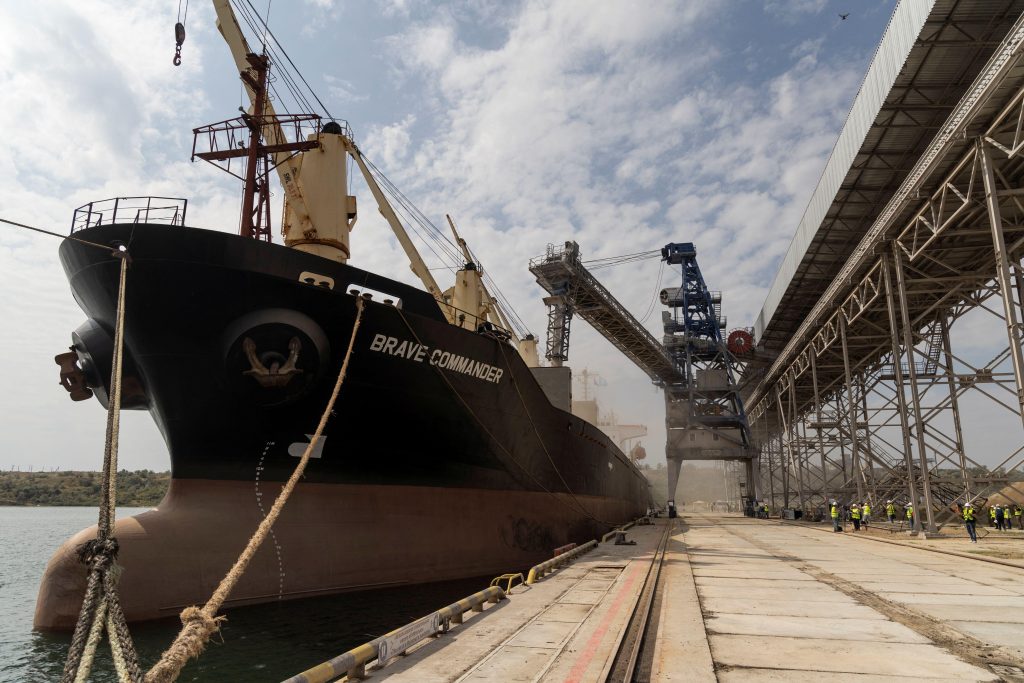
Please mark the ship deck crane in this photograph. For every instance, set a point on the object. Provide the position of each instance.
(704, 414)
(318, 212)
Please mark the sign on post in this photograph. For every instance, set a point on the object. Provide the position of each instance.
(401, 640)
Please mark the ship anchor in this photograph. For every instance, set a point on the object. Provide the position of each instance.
(277, 375)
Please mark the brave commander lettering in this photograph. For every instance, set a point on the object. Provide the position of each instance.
(417, 352)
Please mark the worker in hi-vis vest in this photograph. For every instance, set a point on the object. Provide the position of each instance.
(865, 513)
(835, 516)
(910, 515)
(1018, 514)
(855, 516)
(890, 511)
(969, 522)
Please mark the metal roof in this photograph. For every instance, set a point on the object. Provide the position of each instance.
(930, 54)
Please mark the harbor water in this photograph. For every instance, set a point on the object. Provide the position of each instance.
(260, 643)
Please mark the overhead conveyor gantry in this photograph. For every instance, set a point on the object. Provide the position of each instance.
(866, 396)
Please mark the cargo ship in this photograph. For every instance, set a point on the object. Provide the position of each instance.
(450, 453)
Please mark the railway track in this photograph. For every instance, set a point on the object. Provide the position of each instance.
(632, 663)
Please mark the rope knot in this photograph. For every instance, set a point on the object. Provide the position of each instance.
(98, 553)
(195, 617)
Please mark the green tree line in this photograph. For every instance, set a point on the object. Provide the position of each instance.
(134, 489)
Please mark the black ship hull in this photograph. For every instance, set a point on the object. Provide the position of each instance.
(444, 458)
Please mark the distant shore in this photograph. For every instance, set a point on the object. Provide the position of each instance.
(146, 488)
(134, 489)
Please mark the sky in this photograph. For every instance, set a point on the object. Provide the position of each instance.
(620, 125)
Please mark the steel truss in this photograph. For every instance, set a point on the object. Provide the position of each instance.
(867, 400)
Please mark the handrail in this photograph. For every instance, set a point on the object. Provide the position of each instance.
(538, 571)
(510, 577)
(353, 663)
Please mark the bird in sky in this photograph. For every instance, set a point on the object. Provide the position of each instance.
(843, 16)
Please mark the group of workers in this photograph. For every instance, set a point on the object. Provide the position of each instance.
(999, 516)
(859, 514)
(1002, 517)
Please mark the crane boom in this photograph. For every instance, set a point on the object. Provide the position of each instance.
(416, 263)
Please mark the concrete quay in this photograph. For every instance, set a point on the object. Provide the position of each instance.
(743, 600)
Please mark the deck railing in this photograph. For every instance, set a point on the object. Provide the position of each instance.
(166, 210)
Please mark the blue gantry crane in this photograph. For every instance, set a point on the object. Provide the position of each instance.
(704, 415)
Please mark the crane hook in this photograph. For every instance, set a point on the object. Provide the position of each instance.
(179, 38)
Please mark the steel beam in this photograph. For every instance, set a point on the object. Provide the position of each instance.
(915, 394)
(1002, 264)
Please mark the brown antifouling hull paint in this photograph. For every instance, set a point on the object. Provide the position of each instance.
(331, 538)
(443, 459)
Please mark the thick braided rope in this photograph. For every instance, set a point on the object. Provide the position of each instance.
(201, 623)
(100, 605)
(95, 633)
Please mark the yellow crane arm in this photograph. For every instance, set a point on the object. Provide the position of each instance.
(416, 263)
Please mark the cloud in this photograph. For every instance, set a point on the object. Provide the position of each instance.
(343, 90)
(791, 10)
(615, 129)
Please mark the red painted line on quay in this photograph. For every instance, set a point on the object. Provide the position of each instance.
(587, 653)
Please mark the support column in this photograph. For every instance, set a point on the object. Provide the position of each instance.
(915, 394)
(788, 455)
(869, 453)
(673, 465)
(753, 479)
(842, 442)
(799, 448)
(1013, 330)
(955, 405)
(851, 411)
(817, 412)
(901, 399)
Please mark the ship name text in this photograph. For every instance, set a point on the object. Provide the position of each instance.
(419, 353)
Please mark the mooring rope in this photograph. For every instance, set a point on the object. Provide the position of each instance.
(199, 624)
(101, 607)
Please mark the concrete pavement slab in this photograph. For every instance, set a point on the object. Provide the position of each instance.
(973, 612)
(963, 588)
(818, 593)
(842, 657)
(771, 608)
(825, 628)
(681, 650)
(1002, 633)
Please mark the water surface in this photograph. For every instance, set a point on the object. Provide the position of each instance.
(261, 643)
